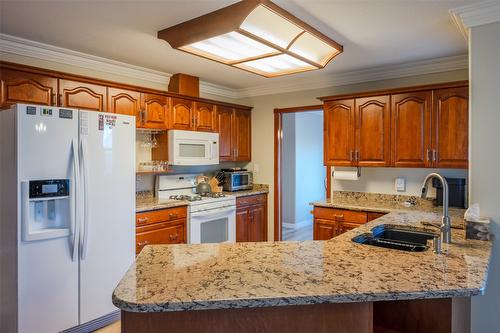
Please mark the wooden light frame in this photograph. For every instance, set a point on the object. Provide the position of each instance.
(229, 19)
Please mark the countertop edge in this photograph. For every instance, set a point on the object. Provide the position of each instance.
(289, 301)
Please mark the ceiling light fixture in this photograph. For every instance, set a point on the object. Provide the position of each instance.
(256, 36)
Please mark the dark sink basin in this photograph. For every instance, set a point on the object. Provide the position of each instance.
(396, 237)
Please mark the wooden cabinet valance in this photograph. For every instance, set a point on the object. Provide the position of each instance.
(422, 127)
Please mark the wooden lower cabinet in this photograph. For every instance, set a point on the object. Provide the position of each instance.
(163, 226)
(331, 222)
(251, 218)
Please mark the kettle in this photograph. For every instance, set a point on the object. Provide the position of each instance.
(202, 185)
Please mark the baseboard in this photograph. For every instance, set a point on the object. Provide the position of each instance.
(96, 324)
(297, 225)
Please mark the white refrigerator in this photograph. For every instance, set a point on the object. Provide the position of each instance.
(67, 207)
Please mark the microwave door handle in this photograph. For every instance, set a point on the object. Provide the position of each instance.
(214, 151)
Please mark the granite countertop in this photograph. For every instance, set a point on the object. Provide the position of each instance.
(257, 189)
(215, 276)
(147, 203)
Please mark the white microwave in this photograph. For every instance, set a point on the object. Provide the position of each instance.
(193, 148)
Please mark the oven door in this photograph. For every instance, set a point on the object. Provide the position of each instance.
(213, 226)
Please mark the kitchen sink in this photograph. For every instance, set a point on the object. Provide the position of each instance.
(396, 237)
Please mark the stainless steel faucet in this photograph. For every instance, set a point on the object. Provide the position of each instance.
(445, 222)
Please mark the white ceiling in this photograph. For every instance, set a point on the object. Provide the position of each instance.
(374, 32)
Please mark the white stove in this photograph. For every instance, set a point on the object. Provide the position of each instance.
(212, 217)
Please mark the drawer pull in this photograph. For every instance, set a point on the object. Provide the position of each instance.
(173, 215)
(142, 220)
(143, 243)
(339, 217)
(174, 237)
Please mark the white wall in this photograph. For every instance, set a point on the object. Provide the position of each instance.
(484, 62)
(263, 125)
(288, 160)
(309, 169)
(381, 180)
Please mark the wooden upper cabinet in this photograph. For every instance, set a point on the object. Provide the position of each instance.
(411, 129)
(450, 128)
(242, 132)
(373, 127)
(23, 87)
(339, 132)
(124, 101)
(154, 110)
(181, 114)
(81, 95)
(204, 115)
(224, 126)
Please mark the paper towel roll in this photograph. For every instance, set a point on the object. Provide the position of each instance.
(346, 175)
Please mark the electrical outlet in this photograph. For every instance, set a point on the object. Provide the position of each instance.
(400, 184)
(256, 168)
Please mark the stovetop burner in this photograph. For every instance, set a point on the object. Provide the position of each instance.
(197, 197)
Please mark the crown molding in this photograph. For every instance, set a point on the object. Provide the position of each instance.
(406, 69)
(28, 48)
(476, 14)
(24, 47)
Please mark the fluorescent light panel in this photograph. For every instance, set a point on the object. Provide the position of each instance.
(229, 47)
(276, 65)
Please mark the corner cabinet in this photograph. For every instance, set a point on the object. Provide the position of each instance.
(251, 218)
(419, 127)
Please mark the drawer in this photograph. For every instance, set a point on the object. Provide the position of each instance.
(257, 199)
(161, 215)
(340, 215)
(162, 233)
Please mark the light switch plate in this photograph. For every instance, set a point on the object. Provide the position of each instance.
(400, 184)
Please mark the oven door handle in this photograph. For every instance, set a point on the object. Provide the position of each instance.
(213, 213)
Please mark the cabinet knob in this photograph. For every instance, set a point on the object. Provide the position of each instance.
(352, 155)
(142, 219)
(173, 237)
(339, 217)
(173, 215)
(143, 243)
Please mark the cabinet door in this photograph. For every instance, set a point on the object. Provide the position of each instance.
(23, 87)
(339, 133)
(164, 233)
(204, 117)
(451, 128)
(373, 126)
(374, 215)
(224, 126)
(154, 111)
(411, 129)
(242, 135)
(80, 95)
(257, 229)
(124, 101)
(242, 221)
(181, 114)
(324, 229)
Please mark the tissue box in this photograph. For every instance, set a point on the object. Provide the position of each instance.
(479, 230)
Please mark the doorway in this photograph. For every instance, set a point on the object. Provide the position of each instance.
(300, 176)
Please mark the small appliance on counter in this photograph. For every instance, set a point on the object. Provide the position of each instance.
(457, 188)
(237, 179)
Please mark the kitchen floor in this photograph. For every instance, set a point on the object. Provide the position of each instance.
(112, 328)
(295, 234)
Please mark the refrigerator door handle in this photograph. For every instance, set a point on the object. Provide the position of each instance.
(84, 238)
(74, 215)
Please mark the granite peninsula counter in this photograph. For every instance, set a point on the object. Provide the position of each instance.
(182, 278)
